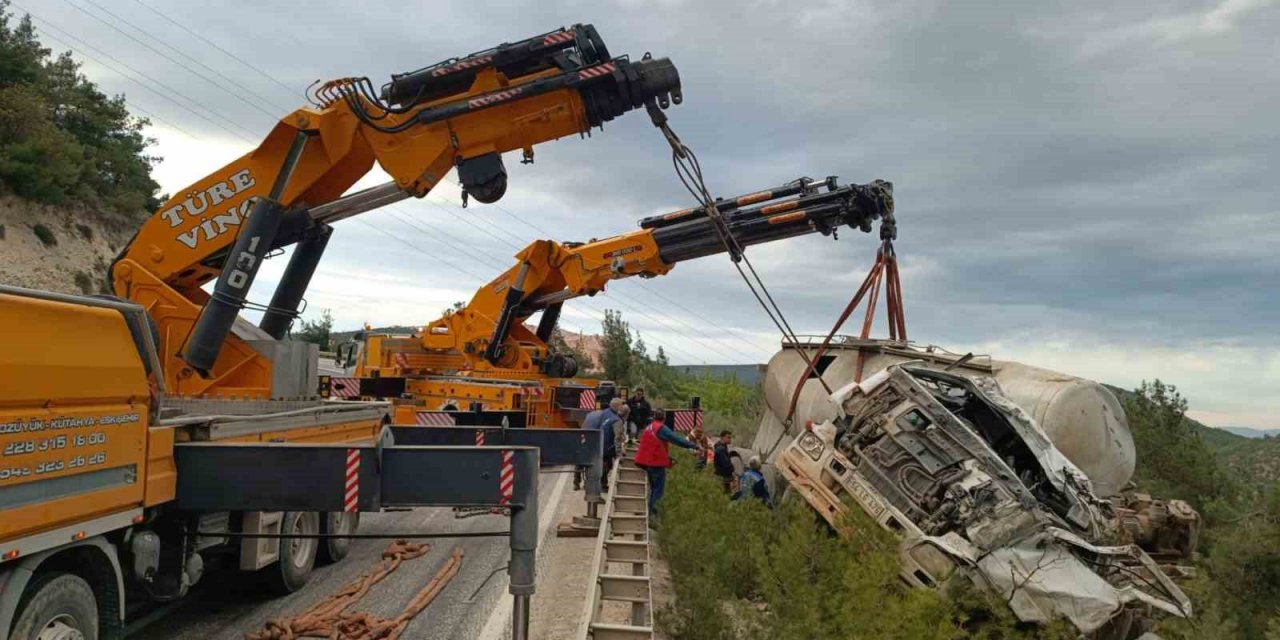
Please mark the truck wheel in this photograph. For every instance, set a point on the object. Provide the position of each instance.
(336, 523)
(57, 606)
(297, 555)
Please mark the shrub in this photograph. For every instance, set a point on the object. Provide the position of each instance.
(85, 282)
(45, 234)
(317, 331)
(740, 570)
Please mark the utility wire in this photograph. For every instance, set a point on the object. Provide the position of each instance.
(48, 26)
(233, 91)
(735, 359)
(456, 244)
(133, 104)
(259, 108)
(215, 46)
(650, 289)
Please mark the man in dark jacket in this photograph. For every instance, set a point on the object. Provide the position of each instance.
(641, 412)
(723, 462)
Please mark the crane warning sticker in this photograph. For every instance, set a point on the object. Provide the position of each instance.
(62, 444)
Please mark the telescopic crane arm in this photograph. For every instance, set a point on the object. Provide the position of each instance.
(462, 113)
(489, 333)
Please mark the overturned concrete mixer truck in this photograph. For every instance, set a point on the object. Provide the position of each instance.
(1008, 475)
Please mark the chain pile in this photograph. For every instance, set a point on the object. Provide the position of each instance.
(329, 618)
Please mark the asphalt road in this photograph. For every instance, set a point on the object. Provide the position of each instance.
(227, 604)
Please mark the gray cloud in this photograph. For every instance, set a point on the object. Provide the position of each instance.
(1062, 169)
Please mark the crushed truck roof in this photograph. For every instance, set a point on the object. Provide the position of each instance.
(976, 489)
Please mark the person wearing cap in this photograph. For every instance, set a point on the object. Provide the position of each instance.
(752, 483)
(654, 457)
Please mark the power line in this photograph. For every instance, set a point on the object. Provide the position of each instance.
(616, 294)
(133, 104)
(234, 91)
(49, 26)
(617, 298)
(491, 261)
(215, 46)
(653, 292)
(643, 284)
(403, 220)
(416, 248)
(466, 220)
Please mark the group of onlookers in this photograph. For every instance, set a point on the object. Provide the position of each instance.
(635, 420)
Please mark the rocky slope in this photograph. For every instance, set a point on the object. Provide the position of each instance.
(59, 248)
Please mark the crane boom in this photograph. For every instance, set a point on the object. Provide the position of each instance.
(462, 113)
(458, 357)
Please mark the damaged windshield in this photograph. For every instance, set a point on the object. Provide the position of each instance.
(958, 396)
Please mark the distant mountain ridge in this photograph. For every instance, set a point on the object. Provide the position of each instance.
(1250, 432)
(748, 374)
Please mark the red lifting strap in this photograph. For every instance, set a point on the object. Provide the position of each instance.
(884, 271)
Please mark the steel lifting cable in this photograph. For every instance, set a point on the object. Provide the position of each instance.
(690, 173)
(329, 618)
(883, 272)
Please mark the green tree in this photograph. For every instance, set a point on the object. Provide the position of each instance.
(316, 331)
(616, 351)
(61, 139)
(1173, 460)
(20, 51)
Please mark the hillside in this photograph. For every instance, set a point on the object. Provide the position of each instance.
(79, 244)
(75, 172)
(1254, 461)
(1250, 432)
(748, 374)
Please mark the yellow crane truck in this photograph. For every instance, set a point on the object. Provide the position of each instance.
(485, 355)
(146, 433)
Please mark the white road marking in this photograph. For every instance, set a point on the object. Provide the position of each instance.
(498, 626)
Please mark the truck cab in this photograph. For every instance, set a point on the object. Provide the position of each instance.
(975, 490)
(89, 475)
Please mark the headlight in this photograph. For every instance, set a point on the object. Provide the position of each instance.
(811, 444)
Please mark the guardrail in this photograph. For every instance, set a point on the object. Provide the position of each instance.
(621, 564)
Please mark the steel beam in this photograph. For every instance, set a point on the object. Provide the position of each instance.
(282, 476)
(578, 447)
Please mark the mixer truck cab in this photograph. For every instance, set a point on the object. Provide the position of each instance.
(976, 490)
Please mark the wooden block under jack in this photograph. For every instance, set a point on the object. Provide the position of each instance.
(579, 527)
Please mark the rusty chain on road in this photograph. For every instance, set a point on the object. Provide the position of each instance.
(329, 618)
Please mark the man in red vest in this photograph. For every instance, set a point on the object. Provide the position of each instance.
(653, 456)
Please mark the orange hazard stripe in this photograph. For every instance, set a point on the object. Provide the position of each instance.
(754, 198)
(788, 217)
(781, 206)
(679, 214)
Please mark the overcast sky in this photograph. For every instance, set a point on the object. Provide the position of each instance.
(1082, 186)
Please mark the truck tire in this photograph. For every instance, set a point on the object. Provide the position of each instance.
(336, 522)
(297, 555)
(57, 606)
